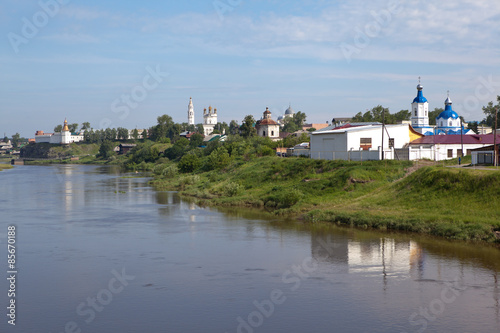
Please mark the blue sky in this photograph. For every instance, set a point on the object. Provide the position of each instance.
(327, 58)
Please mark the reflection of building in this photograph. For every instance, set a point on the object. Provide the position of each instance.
(209, 120)
(64, 137)
(384, 256)
(266, 127)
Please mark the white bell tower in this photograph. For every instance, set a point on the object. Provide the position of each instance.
(190, 112)
(420, 111)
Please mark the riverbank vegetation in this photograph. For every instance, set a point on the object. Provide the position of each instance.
(244, 170)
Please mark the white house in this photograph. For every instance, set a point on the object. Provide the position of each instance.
(444, 147)
(363, 142)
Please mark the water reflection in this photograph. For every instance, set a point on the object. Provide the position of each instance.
(206, 266)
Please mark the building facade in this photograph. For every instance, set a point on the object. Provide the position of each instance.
(190, 112)
(209, 120)
(65, 137)
(267, 127)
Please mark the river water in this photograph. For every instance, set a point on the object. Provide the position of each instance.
(100, 251)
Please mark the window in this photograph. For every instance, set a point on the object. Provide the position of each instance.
(426, 113)
(450, 153)
(272, 133)
(468, 152)
(459, 152)
(263, 133)
(415, 112)
(391, 143)
(365, 143)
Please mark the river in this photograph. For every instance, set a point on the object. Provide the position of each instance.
(101, 251)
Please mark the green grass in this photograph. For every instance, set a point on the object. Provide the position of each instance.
(5, 166)
(446, 202)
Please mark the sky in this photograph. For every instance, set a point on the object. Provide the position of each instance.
(124, 63)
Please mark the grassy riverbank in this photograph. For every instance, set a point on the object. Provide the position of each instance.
(5, 166)
(451, 203)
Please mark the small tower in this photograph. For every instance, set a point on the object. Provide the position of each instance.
(420, 111)
(190, 112)
(65, 134)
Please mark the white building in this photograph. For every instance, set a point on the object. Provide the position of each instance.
(420, 113)
(131, 134)
(209, 120)
(64, 137)
(289, 113)
(363, 142)
(448, 121)
(190, 112)
(266, 127)
(445, 147)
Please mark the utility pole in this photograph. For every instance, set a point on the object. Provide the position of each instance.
(461, 138)
(495, 158)
(383, 127)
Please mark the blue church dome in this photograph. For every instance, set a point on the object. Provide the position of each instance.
(448, 111)
(420, 96)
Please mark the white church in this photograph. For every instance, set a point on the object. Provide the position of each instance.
(209, 118)
(447, 122)
(65, 137)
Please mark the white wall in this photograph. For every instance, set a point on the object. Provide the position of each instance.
(345, 143)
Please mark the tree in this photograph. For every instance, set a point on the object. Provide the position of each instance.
(473, 125)
(73, 127)
(433, 115)
(189, 163)
(5, 139)
(234, 128)
(299, 119)
(16, 139)
(145, 134)
(196, 140)
(135, 134)
(218, 159)
(178, 149)
(490, 111)
(122, 133)
(85, 126)
(165, 128)
(106, 150)
(247, 127)
(58, 128)
(200, 129)
(290, 125)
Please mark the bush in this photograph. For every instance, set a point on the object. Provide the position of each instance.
(232, 189)
(283, 198)
(218, 159)
(170, 171)
(189, 163)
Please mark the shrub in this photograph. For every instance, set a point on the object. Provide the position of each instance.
(218, 159)
(189, 163)
(170, 171)
(232, 189)
(283, 198)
